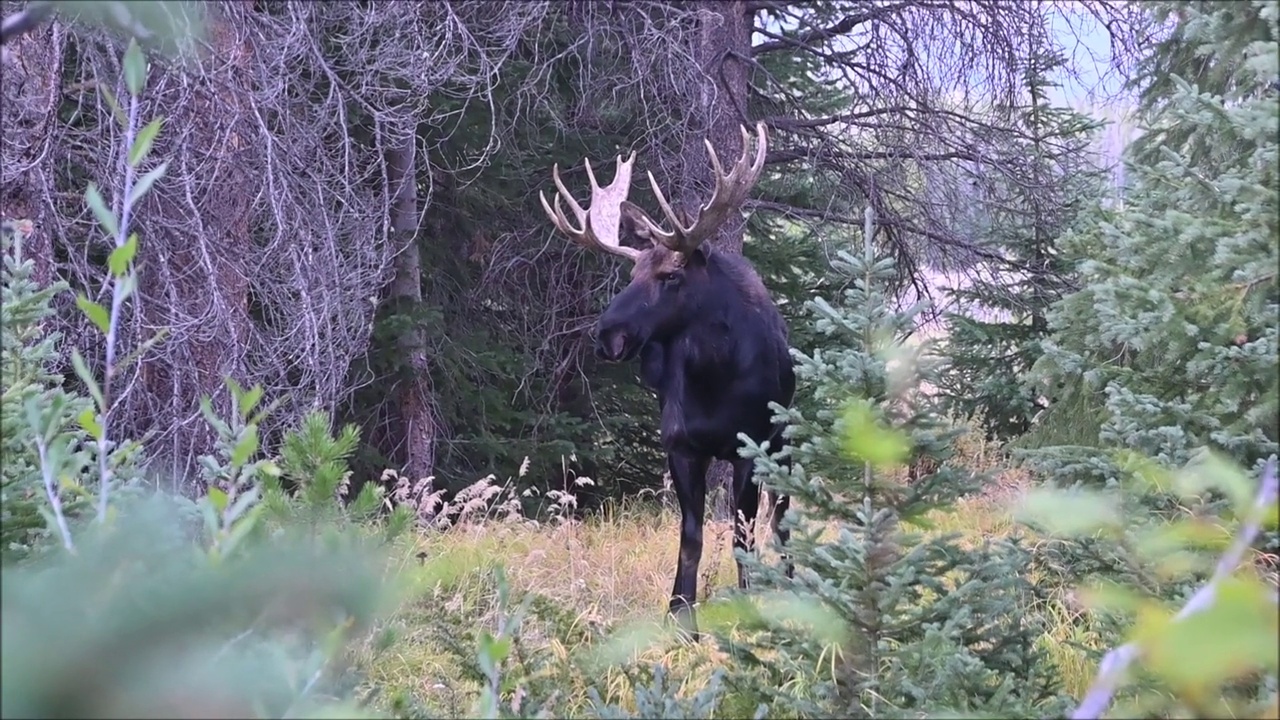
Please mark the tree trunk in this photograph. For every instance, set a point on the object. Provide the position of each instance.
(414, 397)
(30, 92)
(197, 256)
(725, 36)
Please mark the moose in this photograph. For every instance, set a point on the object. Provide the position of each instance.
(710, 340)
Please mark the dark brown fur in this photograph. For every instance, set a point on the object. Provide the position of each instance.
(713, 345)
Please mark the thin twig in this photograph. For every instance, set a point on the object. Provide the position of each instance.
(25, 21)
(1115, 662)
(117, 302)
(55, 499)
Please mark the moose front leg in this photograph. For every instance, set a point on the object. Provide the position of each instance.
(689, 476)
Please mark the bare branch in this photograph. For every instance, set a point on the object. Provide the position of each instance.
(26, 20)
(805, 40)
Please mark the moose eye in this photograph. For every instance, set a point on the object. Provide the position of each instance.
(670, 279)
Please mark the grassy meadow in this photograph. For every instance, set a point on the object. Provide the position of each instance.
(614, 571)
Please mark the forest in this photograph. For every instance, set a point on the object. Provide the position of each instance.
(310, 406)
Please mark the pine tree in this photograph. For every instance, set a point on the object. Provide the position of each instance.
(27, 384)
(932, 624)
(1172, 338)
(994, 340)
(1174, 327)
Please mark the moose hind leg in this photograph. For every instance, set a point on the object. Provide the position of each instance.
(746, 503)
(689, 476)
(781, 504)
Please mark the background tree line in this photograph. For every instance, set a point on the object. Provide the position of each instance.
(351, 217)
(316, 229)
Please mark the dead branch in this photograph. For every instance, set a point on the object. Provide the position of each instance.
(26, 20)
(266, 247)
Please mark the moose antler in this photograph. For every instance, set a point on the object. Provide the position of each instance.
(600, 223)
(730, 191)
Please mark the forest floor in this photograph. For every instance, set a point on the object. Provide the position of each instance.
(615, 572)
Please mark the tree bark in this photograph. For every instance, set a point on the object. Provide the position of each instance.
(724, 38)
(414, 396)
(196, 276)
(30, 92)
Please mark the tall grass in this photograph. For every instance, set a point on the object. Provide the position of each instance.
(615, 569)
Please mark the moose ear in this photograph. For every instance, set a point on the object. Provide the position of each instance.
(697, 258)
(632, 229)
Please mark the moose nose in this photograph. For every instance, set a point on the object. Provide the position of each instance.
(612, 342)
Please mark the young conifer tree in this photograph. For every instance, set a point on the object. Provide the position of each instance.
(27, 390)
(994, 337)
(927, 623)
(1173, 331)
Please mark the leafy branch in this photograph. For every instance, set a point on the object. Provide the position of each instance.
(1113, 666)
(124, 279)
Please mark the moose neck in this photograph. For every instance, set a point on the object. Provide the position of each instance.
(709, 346)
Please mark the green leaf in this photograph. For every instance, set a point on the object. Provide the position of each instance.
(120, 258)
(142, 144)
(211, 417)
(144, 183)
(1068, 513)
(1112, 597)
(493, 651)
(135, 68)
(234, 388)
(86, 377)
(96, 313)
(242, 504)
(1174, 537)
(871, 441)
(1233, 638)
(249, 400)
(246, 447)
(106, 218)
(1211, 471)
(114, 104)
(126, 285)
(1145, 473)
(813, 617)
(626, 644)
(89, 422)
(239, 531)
(218, 499)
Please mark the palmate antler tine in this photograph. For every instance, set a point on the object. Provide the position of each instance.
(605, 209)
(577, 209)
(557, 215)
(665, 237)
(727, 196)
(591, 175)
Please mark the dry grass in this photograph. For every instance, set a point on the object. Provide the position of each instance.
(615, 571)
(607, 573)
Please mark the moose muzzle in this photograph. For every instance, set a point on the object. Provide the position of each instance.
(615, 343)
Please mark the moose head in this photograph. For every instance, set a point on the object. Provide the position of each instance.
(669, 278)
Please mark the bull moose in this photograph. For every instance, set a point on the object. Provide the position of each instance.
(711, 342)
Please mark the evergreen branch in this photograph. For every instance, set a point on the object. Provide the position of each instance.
(818, 35)
(826, 215)
(1116, 661)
